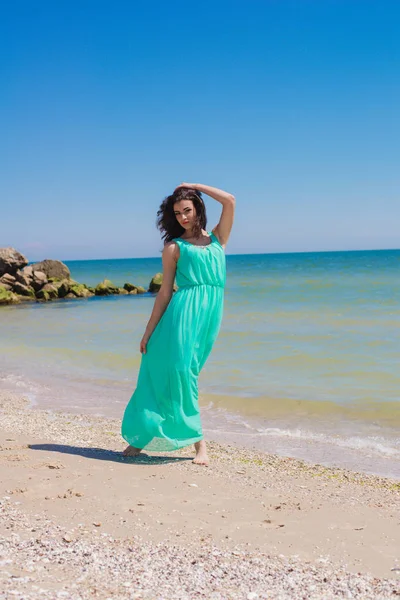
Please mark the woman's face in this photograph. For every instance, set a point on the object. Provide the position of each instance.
(185, 213)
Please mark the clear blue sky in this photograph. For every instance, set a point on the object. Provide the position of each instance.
(105, 107)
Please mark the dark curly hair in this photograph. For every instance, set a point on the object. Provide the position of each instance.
(167, 222)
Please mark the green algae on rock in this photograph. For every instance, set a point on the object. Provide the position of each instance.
(106, 288)
(156, 283)
(80, 291)
(7, 297)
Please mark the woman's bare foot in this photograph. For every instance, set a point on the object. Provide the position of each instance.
(201, 457)
(131, 451)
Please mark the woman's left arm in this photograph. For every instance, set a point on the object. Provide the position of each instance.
(223, 229)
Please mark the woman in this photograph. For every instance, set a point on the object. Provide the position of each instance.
(163, 413)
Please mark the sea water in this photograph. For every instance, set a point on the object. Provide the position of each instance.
(306, 363)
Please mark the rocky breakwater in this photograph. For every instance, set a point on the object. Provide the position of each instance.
(51, 280)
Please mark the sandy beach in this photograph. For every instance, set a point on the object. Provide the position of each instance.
(80, 521)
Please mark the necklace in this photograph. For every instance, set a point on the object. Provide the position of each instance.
(202, 246)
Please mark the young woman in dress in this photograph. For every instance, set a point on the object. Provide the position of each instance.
(163, 413)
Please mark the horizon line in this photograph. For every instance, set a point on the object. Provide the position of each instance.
(242, 254)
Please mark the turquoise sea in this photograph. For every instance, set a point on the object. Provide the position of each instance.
(306, 364)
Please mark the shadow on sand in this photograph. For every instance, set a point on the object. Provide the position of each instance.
(110, 455)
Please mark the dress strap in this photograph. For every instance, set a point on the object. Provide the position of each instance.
(214, 237)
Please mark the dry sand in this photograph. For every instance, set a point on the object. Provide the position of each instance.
(80, 521)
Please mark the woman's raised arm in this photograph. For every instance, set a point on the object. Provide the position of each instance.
(228, 201)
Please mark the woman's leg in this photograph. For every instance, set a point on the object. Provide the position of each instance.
(201, 457)
(131, 451)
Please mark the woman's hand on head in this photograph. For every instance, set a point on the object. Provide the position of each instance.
(186, 185)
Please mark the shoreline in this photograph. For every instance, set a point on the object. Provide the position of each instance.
(289, 427)
(251, 523)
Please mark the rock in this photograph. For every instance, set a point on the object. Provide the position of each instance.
(129, 287)
(51, 289)
(70, 295)
(39, 280)
(122, 291)
(63, 287)
(27, 272)
(136, 289)
(23, 290)
(155, 283)
(106, 288)
(6, 286)
(7, 279)
(47, 292)
(7, 297)
(109, 283)
(80, 291)
(23, 279)
(27, 298)
(43, 296)
(11, 260)
(101, 290)
(53, 268)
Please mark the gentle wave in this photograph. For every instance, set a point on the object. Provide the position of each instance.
(374, 445)
(382, 413)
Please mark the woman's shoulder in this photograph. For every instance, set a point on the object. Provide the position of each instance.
(171, 249)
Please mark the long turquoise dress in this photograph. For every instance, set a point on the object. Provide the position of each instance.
(163, 413)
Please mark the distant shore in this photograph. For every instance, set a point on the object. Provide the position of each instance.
(80, 521)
